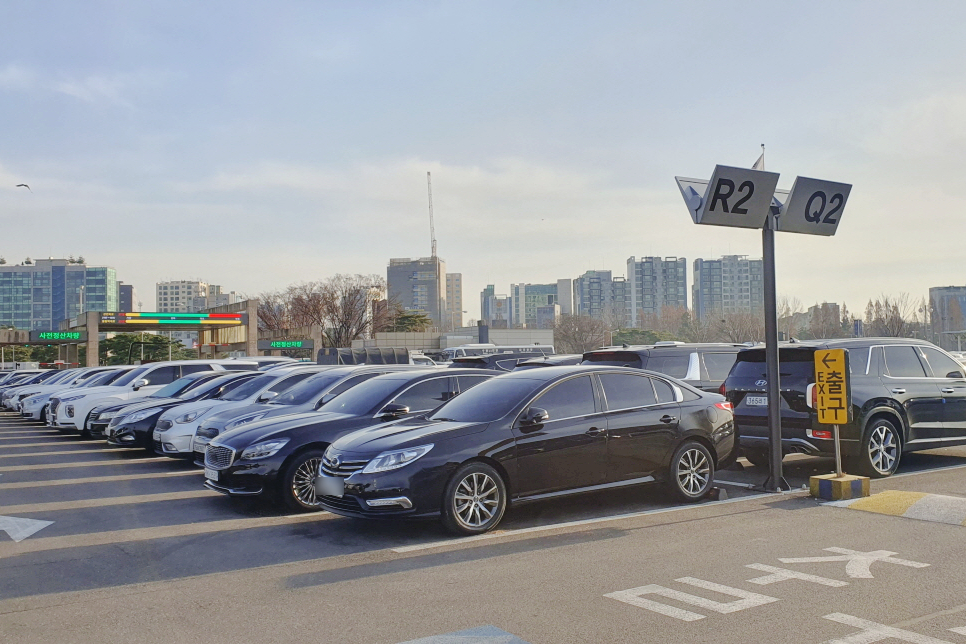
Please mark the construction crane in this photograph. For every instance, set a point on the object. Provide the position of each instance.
(432, 227)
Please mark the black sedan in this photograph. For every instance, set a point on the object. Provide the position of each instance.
(281, 456)
(132, 423)
(531, 435)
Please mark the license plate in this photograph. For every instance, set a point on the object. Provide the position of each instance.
(211, 474)
(330, 486)
(157, 436)
(756, 401)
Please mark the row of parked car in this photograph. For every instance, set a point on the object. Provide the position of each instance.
(461, 443)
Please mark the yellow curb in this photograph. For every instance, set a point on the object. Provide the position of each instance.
(892, 502)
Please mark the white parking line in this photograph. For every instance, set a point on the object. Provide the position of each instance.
(71, 452)
(97, 479)
(85, 446)
(56, 506)
(54, 466)
(570, 524)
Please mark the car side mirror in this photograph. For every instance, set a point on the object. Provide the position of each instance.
(393, 410)
(266, 396)
(535, 416)
(142, 382)
(954, 374)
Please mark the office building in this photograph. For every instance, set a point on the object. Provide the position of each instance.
(419, 285)
(526, 298)
(496, 310)
(38, 296)
(565, 296)
(655, 283)
(190, 296)
(454, 300)
(127, 298)
(732, 284)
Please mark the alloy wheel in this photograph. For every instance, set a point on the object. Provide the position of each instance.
(694, 471)
(883, 448)
(303, 482)
(477, 499)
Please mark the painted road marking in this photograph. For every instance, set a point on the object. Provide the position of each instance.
(859, 563)
(959, 630)
(746, 599)
(19, 529)
(56, 506)
(938, 508)
(95, 479)
(67, 452)
(873, 632)
(570, 524)
(59, 466)
(69, 447)
(481, 635)
(781, 574)
(149, 534)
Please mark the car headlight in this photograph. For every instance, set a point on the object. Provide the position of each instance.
(27, 395)
(395, 459)
(190, 416)
(63, 400)
(263, 450)
(106, 415)
(141, 415)
(244, 419)
(32, 400)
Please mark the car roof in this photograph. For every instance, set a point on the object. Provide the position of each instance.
(845, 343)
(429, 373)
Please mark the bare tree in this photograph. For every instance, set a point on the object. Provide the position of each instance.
(344, 306)
(578, 333)
(273, 311)
(789, 312)
(825, 321)
(672, 321)
(890, 316)
(742, 327)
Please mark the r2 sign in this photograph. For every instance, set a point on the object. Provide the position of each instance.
(814, 207)
(737, 197)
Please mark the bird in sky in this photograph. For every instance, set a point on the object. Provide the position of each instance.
(23, 185)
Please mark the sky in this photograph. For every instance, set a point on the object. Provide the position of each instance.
(256, 145)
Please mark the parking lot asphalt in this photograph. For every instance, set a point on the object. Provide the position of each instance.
(121, 545)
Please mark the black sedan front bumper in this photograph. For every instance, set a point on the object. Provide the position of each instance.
(139, 434)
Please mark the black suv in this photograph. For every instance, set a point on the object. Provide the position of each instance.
(701, 365)
(907, 395)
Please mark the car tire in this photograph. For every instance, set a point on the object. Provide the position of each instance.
(879, 450)
(297, 487)
(85, 433)
(757, 457)
(474, 500)
(691, 472)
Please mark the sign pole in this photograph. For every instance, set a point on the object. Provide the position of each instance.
(775, 481)
(838, 451)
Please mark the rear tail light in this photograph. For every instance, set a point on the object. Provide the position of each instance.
(721, 389)
(727, 406)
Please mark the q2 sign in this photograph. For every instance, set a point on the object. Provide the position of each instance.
(814, 207)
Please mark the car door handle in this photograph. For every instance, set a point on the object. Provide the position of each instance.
(594, 431)
(948, 390)
(668, 419)
(898, 391)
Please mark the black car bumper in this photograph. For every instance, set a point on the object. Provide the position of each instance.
(799, 436)
(137, 434)
(409, 493)
(245, 479)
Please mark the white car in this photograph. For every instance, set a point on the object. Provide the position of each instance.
(13, 395)
(175, 429)
(70, 409)
(33, 399)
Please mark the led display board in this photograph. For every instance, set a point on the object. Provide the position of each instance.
(200, 319)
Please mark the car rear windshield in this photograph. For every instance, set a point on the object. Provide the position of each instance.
(614, 359)
(487, 401)
(797, 363)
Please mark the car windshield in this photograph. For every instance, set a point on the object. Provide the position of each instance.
(103, 378)
(487, 401)
(248, 389)
(364, 397)
(177, 387)
(208, 384)
(307, 389)
(62, 377)
(132, 375)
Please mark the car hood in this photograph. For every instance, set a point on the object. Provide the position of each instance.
(261, 430)
(404, 433)
(148, 403)
(46, 389)
(91, 392)
(188, 407)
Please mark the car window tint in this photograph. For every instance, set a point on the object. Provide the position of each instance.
(426, 395)
(285, 383)
(942, 365)
(349, 383)
(665, 393)
(574, 397)
(161, 375)
(624, 391)
(674, 366)
(903, 362)
(858, 360)
(719, 364)
(194, 368)
(468, 382)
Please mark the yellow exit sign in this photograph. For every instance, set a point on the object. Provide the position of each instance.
(833, 392)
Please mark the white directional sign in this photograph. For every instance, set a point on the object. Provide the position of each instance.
(814, 207)
(20, 528)
(736, 197)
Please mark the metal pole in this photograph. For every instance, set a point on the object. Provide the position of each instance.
(838, 451)
(775, 481)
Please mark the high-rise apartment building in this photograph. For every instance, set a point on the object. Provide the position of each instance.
(419, 285)
(594, 295)
(732, 284)
(526, 298)
(454, 300)
(655, 283)
(565, 296)
(190, 296)
(39, 295)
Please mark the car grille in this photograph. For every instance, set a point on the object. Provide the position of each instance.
(165, 424)
(218, 457)
(347, 503)
(344, 469)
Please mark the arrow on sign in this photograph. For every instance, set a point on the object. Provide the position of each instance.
(825, 359)
(19, 529)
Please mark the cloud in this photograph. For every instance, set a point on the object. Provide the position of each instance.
(15, 77)
(95, 89)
